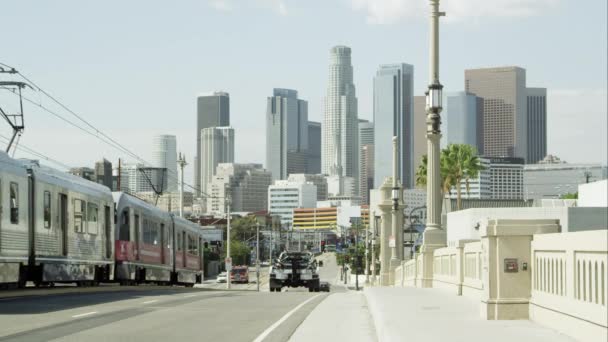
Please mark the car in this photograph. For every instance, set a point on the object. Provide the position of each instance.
(265, 263)
(324, 286)
(239, 274)
(222, 277)
(294, 269)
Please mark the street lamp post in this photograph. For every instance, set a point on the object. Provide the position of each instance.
(257, 255)
(181, 161)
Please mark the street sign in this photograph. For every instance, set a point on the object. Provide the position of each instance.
(391, 241)
(228, 264)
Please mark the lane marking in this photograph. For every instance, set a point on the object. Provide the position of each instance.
(188, 296)
(150, 301)
(84, 314)
(267, 332)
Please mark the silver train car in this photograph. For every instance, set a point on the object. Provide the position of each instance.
(54, 227)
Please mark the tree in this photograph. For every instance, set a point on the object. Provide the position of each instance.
(243, 228)
(458, 162)
(569, 196)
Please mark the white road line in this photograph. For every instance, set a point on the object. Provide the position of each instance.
(267, 332)
(150, 301)
(188, 296)
(84, 314)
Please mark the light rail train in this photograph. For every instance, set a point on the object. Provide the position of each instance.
(59, 228)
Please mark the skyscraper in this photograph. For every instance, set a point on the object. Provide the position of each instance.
(340, 147)
(212, 110)
(420, 143)
(103, 173)
(393, 116)
(286, 134)
(366, 159)
(503, 90)
(314, 148)
(217, 146)
(536, 106)
(164, 155)
(463, 120)
(247, 185)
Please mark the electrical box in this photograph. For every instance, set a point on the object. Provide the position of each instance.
(511, 266)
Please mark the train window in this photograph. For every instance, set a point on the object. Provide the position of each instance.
(192, 248)
(47, 209)
(93, 218)
(14, 198)
(124, 233)
(79, 214)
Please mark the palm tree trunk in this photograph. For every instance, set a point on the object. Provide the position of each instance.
(458, 195)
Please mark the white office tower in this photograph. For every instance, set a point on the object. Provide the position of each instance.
(285, 196)
(340, 129)
(164, 155)
(217, 146)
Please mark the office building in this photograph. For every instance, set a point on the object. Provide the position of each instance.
(462, 120)
(217, 146)
(164, 155)
(136, 178)
(503, 90)
(318, 180)
(536, 114)
(313, 166)
(340, 146)
(169, 201)
(83, 172)
(316, 218)
(245, 184)
(507, 178)
(479, 187)
(552, 178)
(212, 110)
(285, 196)
(286, 133)
(420, 143)
(366, 159)
(103, 173)
(393, 116)
(414, 198)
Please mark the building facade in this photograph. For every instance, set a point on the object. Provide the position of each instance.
(463, 120)
(536, 114)
(394, 116)
(286, 133)
(340, 146)
(316, 218)
(552, 180)
(246, 185)
(503, 90)
(136, 178)
(314, 148)
(212, 110)
(420, 142)
(285, 196)
(83, 172)
(507, 178)
(318, 180)
(217, 146)
(103, 173)
(164, 155)
(366, 159)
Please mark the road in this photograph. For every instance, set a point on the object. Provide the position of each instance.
(158, 314)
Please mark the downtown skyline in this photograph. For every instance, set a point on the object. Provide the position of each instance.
(576, 94)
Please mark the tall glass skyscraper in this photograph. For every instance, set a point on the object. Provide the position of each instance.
(463, 120)
(536, 105)
(286, 134)
(164, 155)
(212, 110)
(393, 116)
(217, 146)
(314, 148)
(340, 129)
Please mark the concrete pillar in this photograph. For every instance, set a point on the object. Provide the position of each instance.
(385, 230)
(506, 265)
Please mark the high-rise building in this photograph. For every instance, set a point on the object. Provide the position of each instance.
(247, 185)
(286, 133)
(285, 196)
(83, 172)
(393, 116)
(366, 159)
(420, 143)
(536, 105)
(318, 180)
(507, 178)
(212, 110)
(503, 90)
(340, 146)
(313, 166)
(103, 173)
(463, 120)
(138, 178)
(164, 155)
(217, 146)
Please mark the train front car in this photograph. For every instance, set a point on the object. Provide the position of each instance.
(71, 222)
(188, 256)
(14, 222)
(144, 242)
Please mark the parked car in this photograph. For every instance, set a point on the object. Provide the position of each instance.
(324, 286)
(222, 277)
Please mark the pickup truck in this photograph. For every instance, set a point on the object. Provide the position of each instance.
(294, 269)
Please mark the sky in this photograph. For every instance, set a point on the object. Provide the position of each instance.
(133, 68)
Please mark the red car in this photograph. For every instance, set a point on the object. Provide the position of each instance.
(239, 274)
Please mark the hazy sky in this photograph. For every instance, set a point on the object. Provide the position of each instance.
(134, 68)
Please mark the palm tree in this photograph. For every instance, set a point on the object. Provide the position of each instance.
(458, 162)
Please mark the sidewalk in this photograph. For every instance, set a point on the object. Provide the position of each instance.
(340, 317)
(414, 314)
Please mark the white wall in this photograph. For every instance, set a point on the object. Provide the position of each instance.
(593, 194)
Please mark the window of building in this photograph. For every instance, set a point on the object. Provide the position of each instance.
(79, 214)
(14, 199)
(46, 199)
(93, 218)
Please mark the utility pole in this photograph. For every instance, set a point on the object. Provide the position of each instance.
(181, 161)
(228, 199)
(118, 178)
(257, 255)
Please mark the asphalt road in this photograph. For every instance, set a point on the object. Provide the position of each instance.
(160, 314)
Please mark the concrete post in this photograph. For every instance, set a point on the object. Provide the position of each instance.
(385, 206)
(506, 265)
